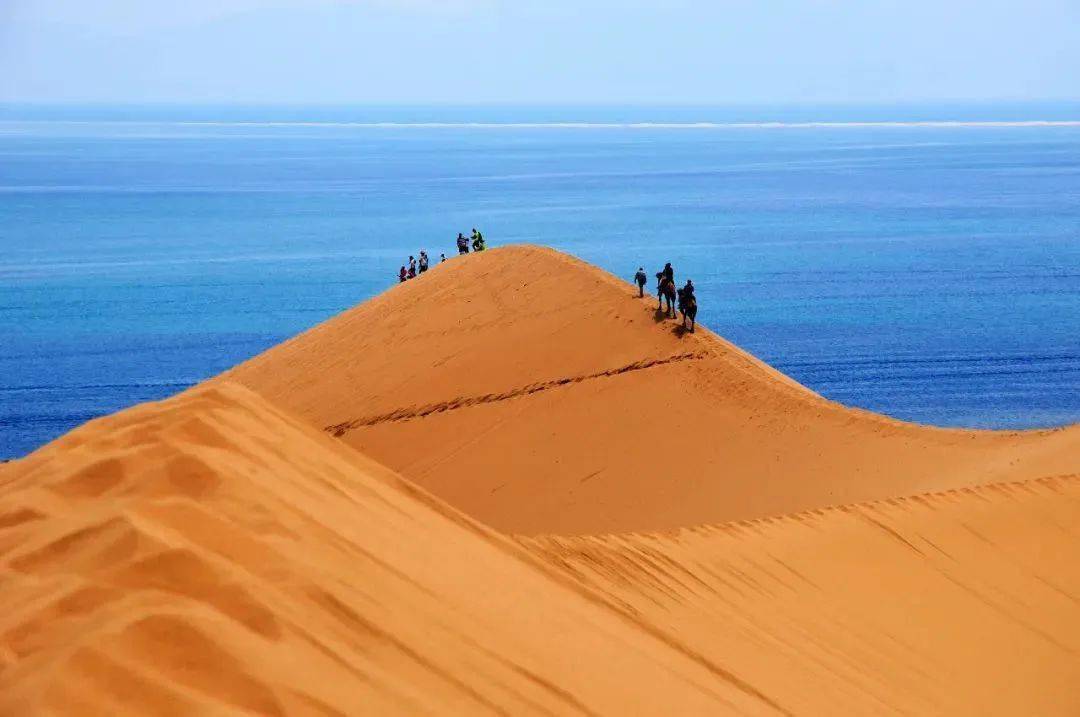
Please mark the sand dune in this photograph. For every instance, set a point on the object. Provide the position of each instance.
(965, 602)
(539, 395)
(208, 554)
(592, 542)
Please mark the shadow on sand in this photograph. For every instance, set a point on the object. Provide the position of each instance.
(661, 315)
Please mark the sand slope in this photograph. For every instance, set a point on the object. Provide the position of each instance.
(216, 554)
(209, 554)
(965, 602)
(539, 395)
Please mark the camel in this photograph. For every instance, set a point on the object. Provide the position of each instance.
(666, 292)
(688, 309)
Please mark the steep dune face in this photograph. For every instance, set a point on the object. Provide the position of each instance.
(211, 555)
(965, 602)
(539, 395)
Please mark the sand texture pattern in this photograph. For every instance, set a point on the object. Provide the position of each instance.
(963, 602)
(210, 555)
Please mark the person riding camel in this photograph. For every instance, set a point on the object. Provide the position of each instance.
(688, 306)
(669, 272)
(462, 244)
(640, 279)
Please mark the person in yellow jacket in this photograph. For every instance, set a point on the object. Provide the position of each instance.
(477, 240)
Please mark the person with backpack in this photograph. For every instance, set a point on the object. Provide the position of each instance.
(640, 278)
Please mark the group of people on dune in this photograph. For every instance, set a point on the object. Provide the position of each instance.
(477, 241)
(415, 267)
(683, 298)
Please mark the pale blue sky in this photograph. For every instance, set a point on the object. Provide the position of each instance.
(356, 51)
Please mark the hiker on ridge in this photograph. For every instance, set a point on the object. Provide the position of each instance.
(423, 261)
(412, 267)
(640, 279)
(477, 240)
(462, 244)
(402, 276)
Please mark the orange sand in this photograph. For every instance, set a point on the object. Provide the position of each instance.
(210, 554)
(248, 548)
(964, 602)
(493, 385)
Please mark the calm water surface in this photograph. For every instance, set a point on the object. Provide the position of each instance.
(928, 272)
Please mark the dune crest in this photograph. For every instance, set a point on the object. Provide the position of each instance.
(540, 395)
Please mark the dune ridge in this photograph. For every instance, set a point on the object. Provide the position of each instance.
(449, 500)
(540, 395)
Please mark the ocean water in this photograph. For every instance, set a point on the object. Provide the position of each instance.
(923, 262)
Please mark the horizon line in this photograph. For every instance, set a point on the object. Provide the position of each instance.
(563, 125)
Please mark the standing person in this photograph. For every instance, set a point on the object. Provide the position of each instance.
(402, 276)
(423, 261)
(412, 267)
(462, 244)
(640, 279)
(442, 258)
(477, 240)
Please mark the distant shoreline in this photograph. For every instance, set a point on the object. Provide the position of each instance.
(571, 125)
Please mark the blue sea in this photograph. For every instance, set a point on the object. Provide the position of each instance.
(919, 261)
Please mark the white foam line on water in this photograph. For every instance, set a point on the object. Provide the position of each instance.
(567, 125)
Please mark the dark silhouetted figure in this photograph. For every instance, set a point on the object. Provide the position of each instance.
(666, 292)
(688, 305)
(640, 279)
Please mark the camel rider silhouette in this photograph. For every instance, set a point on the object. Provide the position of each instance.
(688, 290)
(665, 274)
